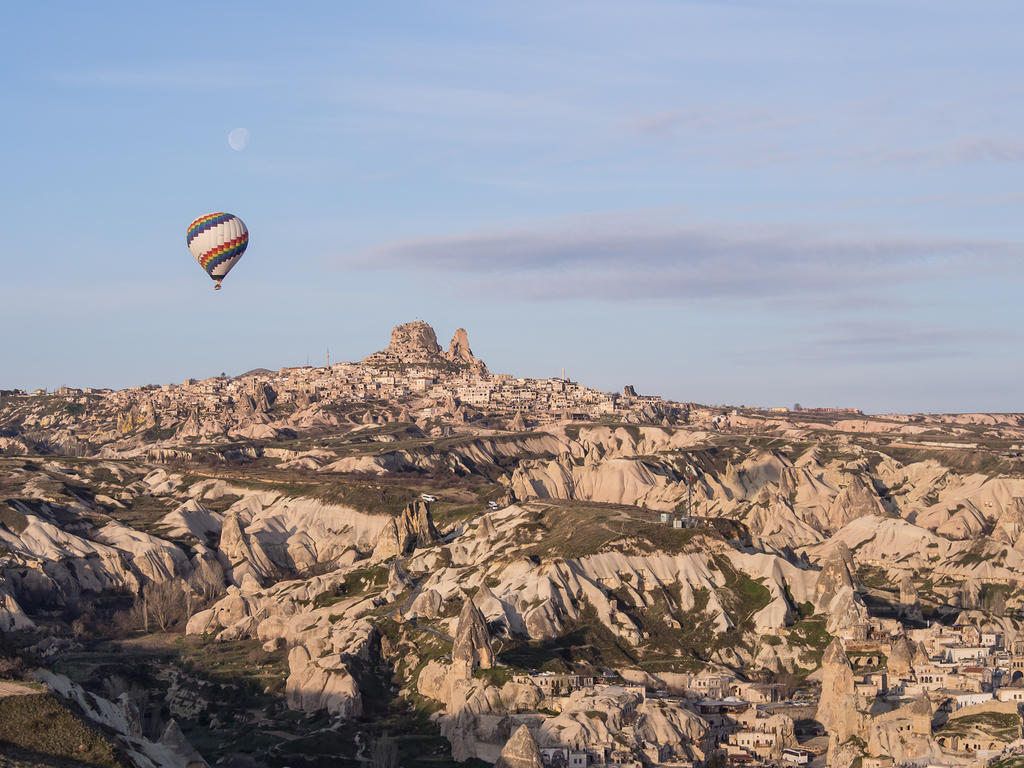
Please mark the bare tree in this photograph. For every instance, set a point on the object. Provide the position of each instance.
(207, 581)
(164, 603)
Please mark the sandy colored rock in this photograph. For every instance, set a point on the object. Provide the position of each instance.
(520, 751)
(837, 708)
(472, 647)
(244, 555)
(414, 528)
(460, 353)
(910, 604)
(901, 658)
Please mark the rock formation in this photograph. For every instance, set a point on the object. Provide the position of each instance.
(412, 529)
(901, 658)
(520, 751)
(472, 647)
(12, 618)
(836, 575)
(414, 340)
(970, 595)
(256, 398)
(855, 500)
(322, 683)
(415, 344)
(837, 708)
(836, 593)
(910, 604)
(460, 353)
(904, 734)
(244, 555)
(215, 498)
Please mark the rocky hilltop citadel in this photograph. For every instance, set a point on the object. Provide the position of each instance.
(415, 344)
(410, 560)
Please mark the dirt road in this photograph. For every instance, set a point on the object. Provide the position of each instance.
(9, 688)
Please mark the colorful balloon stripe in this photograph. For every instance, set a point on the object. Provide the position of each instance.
(204, 223)
(216, 261)
(236, 245)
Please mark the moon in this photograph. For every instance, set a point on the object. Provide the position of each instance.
(238, 138)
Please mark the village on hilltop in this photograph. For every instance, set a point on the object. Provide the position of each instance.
(559, 576)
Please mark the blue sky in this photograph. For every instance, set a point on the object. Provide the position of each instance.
(728, 202)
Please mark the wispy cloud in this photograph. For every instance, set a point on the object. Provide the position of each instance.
(964, 151)
(897, 340)
(622, 261)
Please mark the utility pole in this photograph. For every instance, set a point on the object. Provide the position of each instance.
(328, 357)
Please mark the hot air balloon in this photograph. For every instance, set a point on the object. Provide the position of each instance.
(217, 240)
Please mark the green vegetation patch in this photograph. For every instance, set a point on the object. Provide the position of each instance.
(12, 519)
(810, 633)
(240, 663)
(496, 676)
(42, 724)
(966, 461)
(585, 647)
(356, 582)
(1005, 726)
(575, 529)
(742, 596)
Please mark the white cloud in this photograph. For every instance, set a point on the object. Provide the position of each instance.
(623, 261)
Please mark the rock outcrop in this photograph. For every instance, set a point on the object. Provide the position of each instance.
(837, 708)
(416, 344)
(460, 354)
(257, 398)
(472, 647)
(910, 604)
(835, 577)
(12, 617)
(315, 684)
(901, 658)
(853, 501)
(904, 734)
(520, 751)
(836, 593)
(413, 529)
(243, 554)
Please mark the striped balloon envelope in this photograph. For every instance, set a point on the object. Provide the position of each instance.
(217, 240)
